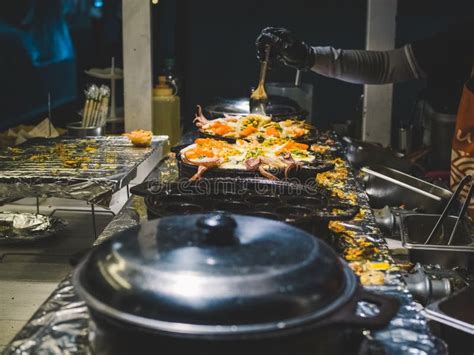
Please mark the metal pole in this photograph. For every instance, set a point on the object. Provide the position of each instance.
(377, 113)
(137, 64)
(94, 226)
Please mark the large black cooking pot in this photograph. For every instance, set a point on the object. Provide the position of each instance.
(223, 284)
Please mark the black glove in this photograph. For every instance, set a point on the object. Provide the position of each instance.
(284, 48)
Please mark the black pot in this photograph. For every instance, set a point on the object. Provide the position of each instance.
(362, 154)
(223, 284)
(279, 107)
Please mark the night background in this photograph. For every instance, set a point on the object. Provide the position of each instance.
(46, 46)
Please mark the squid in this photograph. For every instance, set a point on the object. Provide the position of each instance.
(200, 120)
(290, 163)
(286, 162)
(203, 165)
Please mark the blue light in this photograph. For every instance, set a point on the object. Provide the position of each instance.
(98, 3)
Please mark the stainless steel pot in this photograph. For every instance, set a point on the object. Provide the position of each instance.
(75, 129)
(220, 283)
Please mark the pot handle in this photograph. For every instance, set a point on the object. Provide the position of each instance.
(388, 308)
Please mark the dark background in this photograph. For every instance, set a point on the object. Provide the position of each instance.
(213, 44)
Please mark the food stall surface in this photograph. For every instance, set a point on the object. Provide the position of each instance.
(32, 265)
(61, 325)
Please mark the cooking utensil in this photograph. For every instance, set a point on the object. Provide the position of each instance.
(455, 317)
(279, 107)
(415, 228)
(306, 172)
(89, 169)
(308, 209)
(393, 188)
(439, 223)
(76, 129)
(259, 98)
(208, 284)
(362, 154)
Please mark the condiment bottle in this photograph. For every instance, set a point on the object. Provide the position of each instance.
(166, 111)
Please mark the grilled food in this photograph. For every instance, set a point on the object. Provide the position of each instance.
(273, 153)
(140, 137)
(253, 126)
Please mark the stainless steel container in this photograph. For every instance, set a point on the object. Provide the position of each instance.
(415, 229)
(393, 188)
(75, 129)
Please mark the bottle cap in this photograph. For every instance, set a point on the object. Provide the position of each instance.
(162, 89)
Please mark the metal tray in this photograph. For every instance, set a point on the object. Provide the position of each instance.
(415, 229)
(393, 188)
(456, 311)
(90, 169)
(24, 228)
(454, 317)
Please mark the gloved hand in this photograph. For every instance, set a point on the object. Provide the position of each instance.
(285, 48)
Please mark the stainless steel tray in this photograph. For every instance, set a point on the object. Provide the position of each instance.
(390, 187)
(456, 311)
(415, 229)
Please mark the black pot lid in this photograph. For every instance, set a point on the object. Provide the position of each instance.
(214, 273)
(278, 106)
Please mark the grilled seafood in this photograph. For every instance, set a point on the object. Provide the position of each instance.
(252, 126)
(278, 154)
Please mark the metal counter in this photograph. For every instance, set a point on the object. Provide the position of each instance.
(61, 325)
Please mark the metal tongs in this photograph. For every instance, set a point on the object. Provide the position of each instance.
(259, 98)
(467, 179)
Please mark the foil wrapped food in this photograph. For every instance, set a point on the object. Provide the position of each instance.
(24, 227)
(88, 169)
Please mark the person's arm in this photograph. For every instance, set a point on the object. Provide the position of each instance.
(366, 67)
(448, 55)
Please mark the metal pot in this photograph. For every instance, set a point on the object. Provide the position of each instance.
(222, 284)
(75, 129)
(280, 108)
(362, 154)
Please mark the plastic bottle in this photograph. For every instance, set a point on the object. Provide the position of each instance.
(166, 111)
(172, 77)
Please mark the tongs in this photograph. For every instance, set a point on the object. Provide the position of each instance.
(467, 179)
(259, 98)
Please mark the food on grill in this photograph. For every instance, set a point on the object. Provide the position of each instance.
(253, 126)
(273, 153)
(372, 278)
(140, 137)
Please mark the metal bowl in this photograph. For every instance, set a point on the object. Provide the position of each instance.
(75, 129)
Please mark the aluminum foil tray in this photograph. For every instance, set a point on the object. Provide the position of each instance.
(89, 169)
(20, 228)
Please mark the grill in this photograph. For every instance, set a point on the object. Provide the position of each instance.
(90, 169)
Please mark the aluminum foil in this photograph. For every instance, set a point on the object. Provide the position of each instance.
(88, 169)
(98, 192)
(27, 227)
(61, 324)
